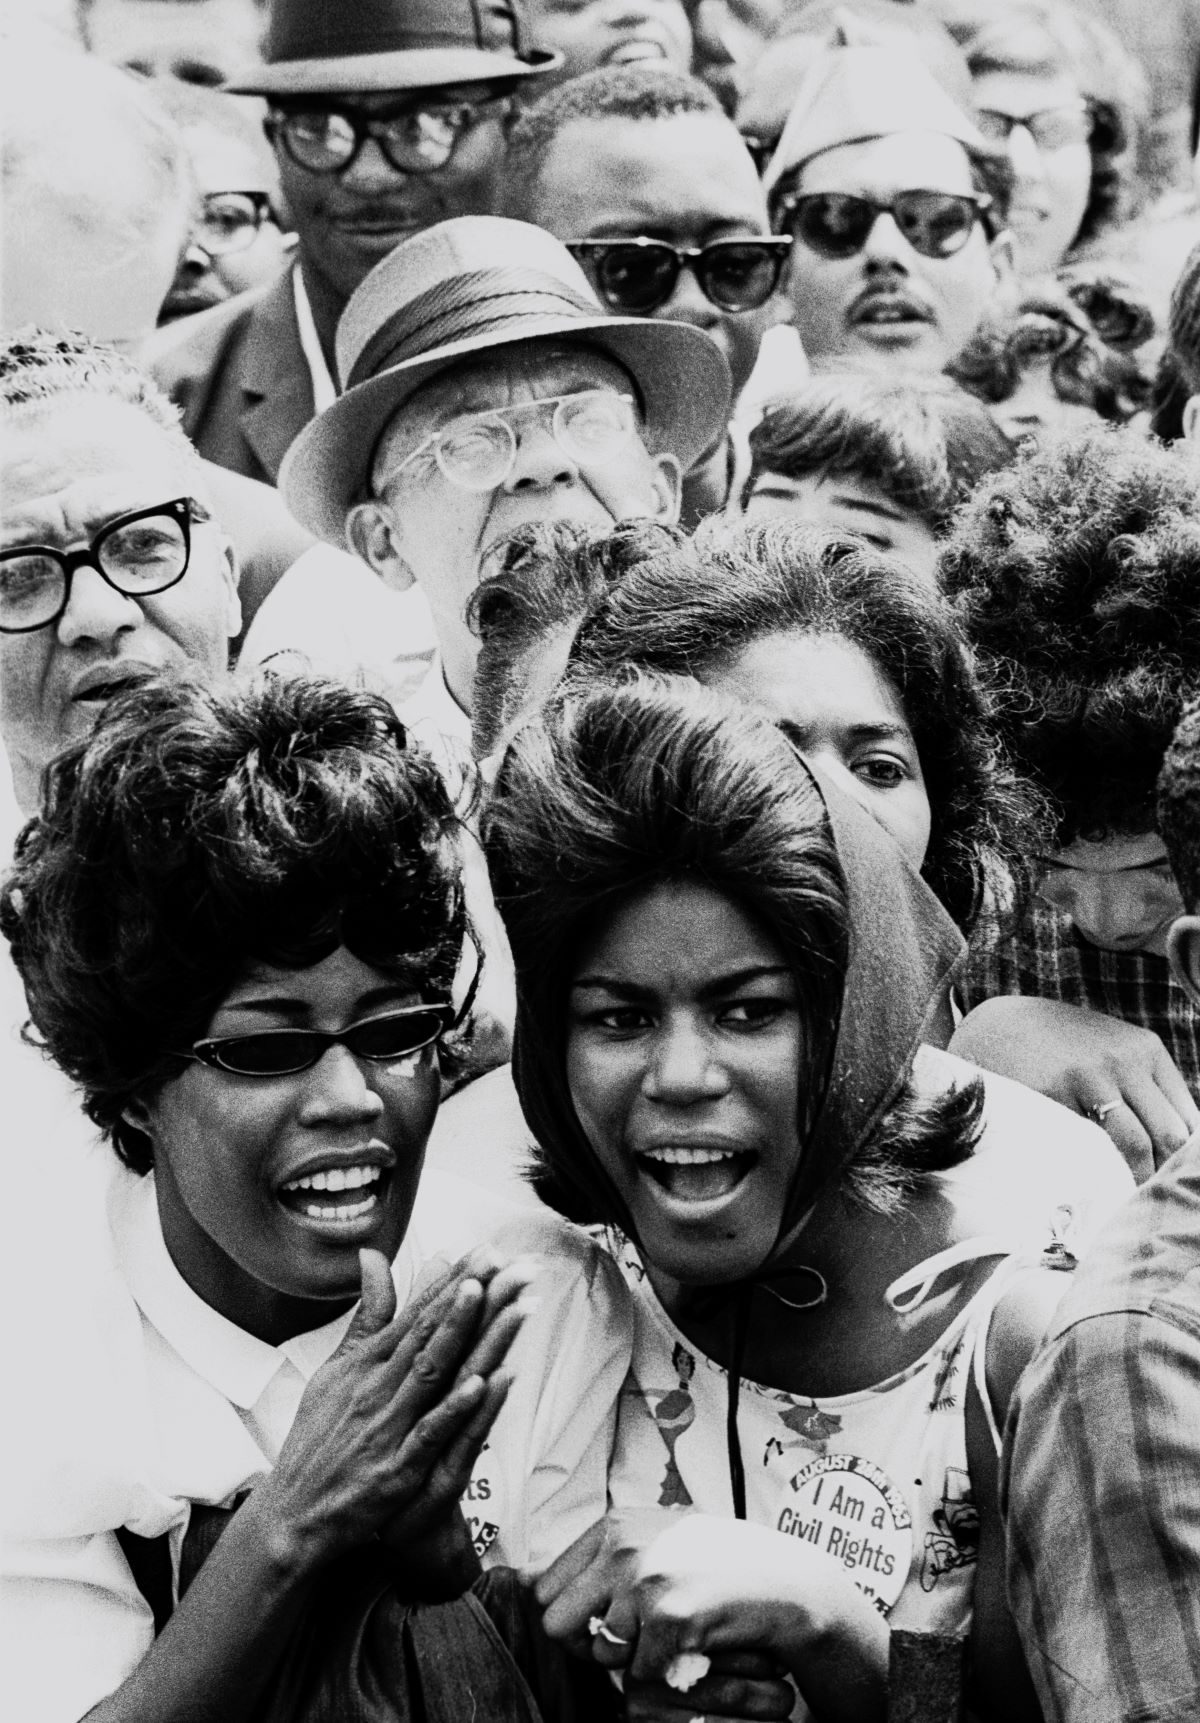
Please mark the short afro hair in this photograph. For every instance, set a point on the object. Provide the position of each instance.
(627, 93)
(1077, 576)
(199, 830)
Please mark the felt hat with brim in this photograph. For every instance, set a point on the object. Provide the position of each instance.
(854, 94)
(472, 286)
(362, 47)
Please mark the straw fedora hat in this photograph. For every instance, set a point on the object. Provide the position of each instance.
(472, 285)
(357, 47)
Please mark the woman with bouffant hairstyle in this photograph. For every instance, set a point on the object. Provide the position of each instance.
(1077, 577)
(238, 921)
(860, 660)
(725, 972)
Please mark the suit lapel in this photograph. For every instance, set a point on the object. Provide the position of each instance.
(276, 385)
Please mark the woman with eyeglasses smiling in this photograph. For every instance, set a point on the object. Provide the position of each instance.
(238, 921)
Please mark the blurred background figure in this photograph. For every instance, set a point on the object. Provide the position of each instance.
(594, 33)
(887, 458)
(236, 241)
(1067, 357)
(98, 196)
(770, 82)
(199, 41)
(1047, 92)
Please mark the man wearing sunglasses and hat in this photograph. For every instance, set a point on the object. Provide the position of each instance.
(896, 206)
(485, 389)
(649, 184)
(385, 116)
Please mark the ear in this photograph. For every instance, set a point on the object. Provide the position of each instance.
(233, 612)
(140, 1114)
(1191, 419)
(666, 485)
(1007, 288)
(1183, 949)
(374, 537)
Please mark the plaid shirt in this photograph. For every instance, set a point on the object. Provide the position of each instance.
(1046, 959)
(1100, 1482)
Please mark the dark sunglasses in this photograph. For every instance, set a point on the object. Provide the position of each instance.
(837, 224)
(284, 1052)
(639, 275)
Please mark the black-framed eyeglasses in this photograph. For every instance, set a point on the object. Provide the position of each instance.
(638, 275)
(230, 221)
(1050, 128)
(138, 554)
(415, 138)
(284, 1052)
(837, 223)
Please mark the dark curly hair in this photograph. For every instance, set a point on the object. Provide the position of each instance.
(1088, 329)
(693, 606)
(199, 830)
(619, 785)
(1179, 806)
(1077, 578)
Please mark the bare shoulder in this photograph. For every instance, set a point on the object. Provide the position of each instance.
(1034, 1159)
(1020, 1322)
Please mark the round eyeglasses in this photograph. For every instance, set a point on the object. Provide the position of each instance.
(416, 137)
(837, 224)
(230, 221)
(285, 1052)
(638, 275)
(138, 554)
(479, 451)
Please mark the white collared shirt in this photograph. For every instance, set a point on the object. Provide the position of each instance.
(178, 1405)
(323, 386)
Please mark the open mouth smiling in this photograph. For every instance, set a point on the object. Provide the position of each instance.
(337, 1196)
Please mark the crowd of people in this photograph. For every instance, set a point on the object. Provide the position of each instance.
(600, 808)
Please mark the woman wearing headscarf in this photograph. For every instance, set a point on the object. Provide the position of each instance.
(725, 970)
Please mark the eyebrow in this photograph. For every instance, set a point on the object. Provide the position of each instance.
(862, 506)
(283, 1006)
(722, 984)
(1131, 867)
(883, 732)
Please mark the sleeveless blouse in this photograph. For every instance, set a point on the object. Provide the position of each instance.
(877, 1479)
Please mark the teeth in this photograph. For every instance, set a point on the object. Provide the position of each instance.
(335, 1179)
(339, 1211)
(688, 1157)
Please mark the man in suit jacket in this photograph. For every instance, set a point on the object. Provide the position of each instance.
(378, 133)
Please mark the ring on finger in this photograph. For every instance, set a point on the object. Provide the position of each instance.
(1100, 1113)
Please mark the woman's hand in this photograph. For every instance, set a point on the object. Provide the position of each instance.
(578, 1588)
(1087, 1061)
(714, 1586)
(388, 1429)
